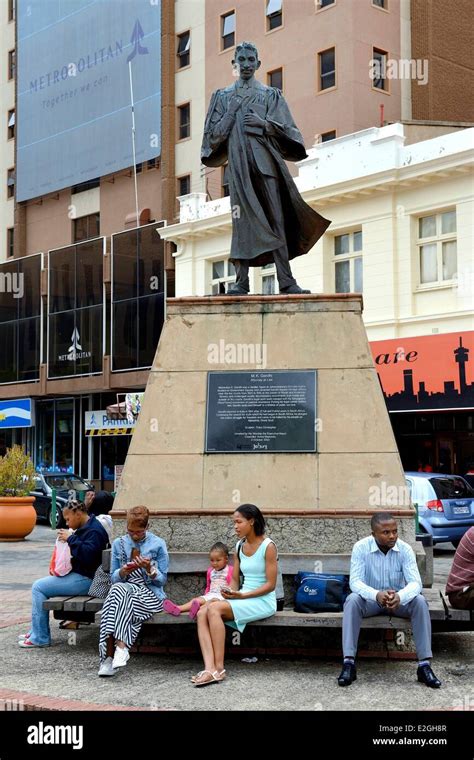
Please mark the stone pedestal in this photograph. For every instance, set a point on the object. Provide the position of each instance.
(318, 501)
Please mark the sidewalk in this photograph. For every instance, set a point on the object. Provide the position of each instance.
(68, 670)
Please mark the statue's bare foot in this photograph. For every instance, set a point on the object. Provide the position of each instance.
(293, 290)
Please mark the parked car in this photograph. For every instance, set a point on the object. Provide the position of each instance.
(64, 482)
(445, 504)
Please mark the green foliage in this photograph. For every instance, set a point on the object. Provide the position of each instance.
(17, 473)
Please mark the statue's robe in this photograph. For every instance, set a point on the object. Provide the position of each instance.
(252, 159)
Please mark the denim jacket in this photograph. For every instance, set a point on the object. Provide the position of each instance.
(151, 546)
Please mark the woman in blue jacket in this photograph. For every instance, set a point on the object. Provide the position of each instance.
(139, 570)
(87, 539)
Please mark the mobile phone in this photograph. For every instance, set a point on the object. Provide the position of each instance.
(131, 564)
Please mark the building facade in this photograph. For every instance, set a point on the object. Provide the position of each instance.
(402, 234)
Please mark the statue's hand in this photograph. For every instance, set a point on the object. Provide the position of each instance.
(234, 104)
(252, 119)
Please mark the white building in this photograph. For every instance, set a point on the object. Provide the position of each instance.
(402, 233)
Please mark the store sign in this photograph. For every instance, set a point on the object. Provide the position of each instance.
(75, 351)
(428, 372)
(97, 423)
(17, 413)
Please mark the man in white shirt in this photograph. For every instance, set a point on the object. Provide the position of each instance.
(385, 580)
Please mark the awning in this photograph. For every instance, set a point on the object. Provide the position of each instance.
(426, 373)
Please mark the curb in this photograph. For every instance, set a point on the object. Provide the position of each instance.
(23, 701)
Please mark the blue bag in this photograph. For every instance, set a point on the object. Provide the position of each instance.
(320, 592)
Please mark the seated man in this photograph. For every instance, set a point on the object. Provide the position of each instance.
(460, 585)
(385, 581)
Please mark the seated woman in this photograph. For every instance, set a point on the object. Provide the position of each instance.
(256, 558)
(139, 568)
(87, 539)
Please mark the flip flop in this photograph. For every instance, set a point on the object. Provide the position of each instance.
(195, 607)
(171, 608)
(213, 679)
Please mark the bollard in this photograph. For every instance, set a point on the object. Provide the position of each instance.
(53, 508)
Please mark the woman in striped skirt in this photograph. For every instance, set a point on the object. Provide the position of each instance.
(138, 569)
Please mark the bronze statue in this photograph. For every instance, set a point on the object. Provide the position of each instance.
(249, 125)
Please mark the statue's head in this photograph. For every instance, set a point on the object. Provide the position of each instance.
(246, 60)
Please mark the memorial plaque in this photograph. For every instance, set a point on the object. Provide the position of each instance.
(255, 412)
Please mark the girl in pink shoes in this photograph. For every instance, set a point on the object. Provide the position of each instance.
(219, 576)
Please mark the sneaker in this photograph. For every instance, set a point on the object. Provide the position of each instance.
(27, 644)
(107, 668)
(24, 636)
(121, 657)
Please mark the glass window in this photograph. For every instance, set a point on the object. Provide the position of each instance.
(11, 10)
(274, 14)
(137, 296)
(225, 181)
(86, 227)
(341, 244)
(89, 274)
(324, 3)
(449, 260)
(228, 30)
(10, 241)
(438, 258)
(448, 222)
(275, 79)
(357, 238)
(326, 136)
(343, 281)
(380, 3)
(11, 64)
(427, 226)
(20, 319)
(218, 269)
(11, 124)
(327, 69)
(358, 286)
(184, 121)
(184, 185)
(10, 183)
(223, 273)
(379, 73)
(184, 47)
(428, 263)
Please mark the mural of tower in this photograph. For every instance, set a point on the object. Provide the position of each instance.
(461, 354)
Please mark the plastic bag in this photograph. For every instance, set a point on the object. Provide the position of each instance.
(61, 560)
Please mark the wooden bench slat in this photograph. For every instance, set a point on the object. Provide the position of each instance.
(93, 604)
(75, 603)
(56, 602)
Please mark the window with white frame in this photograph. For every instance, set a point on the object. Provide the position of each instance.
(268, 279)
(348, 262)
(437, 252)
(223, 273)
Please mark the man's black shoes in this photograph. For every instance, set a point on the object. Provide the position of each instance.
(348, 674)
(292, 290)
(426, 676)
(236, 290)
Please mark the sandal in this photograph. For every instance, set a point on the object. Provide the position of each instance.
(195, 607)
(220, 675)
(69, 625)
(214, 678)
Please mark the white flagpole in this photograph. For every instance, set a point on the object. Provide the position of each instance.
(133, 142)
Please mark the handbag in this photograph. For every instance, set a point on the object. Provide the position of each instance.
(320, 592)
(102, 581)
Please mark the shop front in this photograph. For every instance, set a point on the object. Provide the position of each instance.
(428, 385)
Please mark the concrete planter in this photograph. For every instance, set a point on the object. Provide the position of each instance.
(17, 517)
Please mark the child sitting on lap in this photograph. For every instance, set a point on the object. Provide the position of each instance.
(219, 575)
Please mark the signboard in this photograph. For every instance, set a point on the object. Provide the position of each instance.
(428, 372)
(258, 412)
(74, 104)
(17, 413)
(98, 423)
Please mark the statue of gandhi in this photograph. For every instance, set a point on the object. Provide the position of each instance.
(249, 125)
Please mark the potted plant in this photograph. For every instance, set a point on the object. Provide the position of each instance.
(17, 479)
